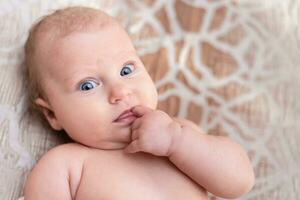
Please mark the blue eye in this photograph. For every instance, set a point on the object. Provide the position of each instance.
(127, 69)
(88, 85)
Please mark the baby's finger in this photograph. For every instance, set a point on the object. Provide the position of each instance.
(136, 124)
(140, 110)
(133, 147)
(134, 135)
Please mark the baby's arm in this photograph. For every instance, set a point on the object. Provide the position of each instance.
(214, 162)
(53, 177)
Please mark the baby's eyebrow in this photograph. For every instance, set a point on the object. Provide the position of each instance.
(122, 58)
(125, 54)
(86, 70)
(77, 74)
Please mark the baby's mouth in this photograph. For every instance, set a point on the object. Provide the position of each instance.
(126, 117)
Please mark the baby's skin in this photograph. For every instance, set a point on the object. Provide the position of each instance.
(100, 93)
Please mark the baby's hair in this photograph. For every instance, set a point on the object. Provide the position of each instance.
(49, 28)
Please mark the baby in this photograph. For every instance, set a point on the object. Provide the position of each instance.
(87, 79)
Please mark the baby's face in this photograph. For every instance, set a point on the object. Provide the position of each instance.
(90, 79)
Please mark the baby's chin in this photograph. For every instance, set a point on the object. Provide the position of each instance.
(111, 146)
(105, 145)
(118, 137)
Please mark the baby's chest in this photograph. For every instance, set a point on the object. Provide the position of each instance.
(155, 179)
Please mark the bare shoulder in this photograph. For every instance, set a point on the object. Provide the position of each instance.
(69, 149)
(58, 173)
(63, 156)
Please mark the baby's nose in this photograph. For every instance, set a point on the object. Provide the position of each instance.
(119, 92)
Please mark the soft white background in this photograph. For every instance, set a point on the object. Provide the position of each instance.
(273, 146)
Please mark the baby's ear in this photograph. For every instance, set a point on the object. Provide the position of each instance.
(48, 113)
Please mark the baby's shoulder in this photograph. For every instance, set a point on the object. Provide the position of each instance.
(68, 149)
(60, 165)
(64, 154)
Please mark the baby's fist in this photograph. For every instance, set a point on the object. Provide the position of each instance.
(153, 132)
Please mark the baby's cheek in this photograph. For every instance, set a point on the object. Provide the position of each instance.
(152, 95)
(79, 119)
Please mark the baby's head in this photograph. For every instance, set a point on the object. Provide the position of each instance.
(83, 72)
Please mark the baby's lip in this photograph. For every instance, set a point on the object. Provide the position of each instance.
(125, 114)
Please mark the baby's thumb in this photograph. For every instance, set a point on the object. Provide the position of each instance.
(132, 147)
(140, 110)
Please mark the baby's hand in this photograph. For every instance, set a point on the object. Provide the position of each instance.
(153, 132)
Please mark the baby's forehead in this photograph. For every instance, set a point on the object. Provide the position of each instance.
(61, 52)
(65, 22)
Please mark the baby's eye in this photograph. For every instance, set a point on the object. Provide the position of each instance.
(88, 85)
(127, 69)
